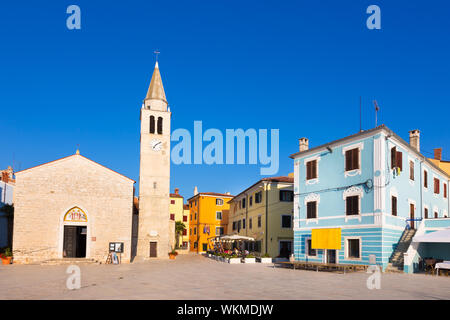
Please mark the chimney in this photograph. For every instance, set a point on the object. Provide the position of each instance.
(228, 193)
(195, 191)
(438, 154)
(303, 144)
(414, 139)
(177, 191)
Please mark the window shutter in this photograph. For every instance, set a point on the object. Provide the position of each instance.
(314, 169)
(425, 179)
(348, 160)
(399, 160)
(355, 157)
(393, 157)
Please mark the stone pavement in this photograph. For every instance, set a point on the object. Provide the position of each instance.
(197, 277)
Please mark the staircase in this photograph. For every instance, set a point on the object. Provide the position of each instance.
(396, 260)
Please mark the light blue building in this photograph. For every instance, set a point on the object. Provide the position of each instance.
(372, 187)
(6, 197)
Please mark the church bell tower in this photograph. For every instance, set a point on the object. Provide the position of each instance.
(154, 175)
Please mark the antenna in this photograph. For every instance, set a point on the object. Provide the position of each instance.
(360, 114)
(376, 112)
(156, 52)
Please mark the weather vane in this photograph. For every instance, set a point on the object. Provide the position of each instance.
(156, 52)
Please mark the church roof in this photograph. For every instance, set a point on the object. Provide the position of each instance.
(156, 89)
(71, 156)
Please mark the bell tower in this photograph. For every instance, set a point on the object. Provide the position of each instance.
(154, 174)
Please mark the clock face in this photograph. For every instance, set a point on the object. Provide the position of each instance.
(156, 144)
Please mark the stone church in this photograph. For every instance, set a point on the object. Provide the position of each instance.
(76, 208)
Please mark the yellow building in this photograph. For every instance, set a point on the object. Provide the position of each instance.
(444, 165)
(271, 200)
(208, 218)
(178, 213)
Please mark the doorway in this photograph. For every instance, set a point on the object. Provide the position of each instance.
(74, 242)
(285, 249)
(411, 214)
(331, 256)
(153, 249)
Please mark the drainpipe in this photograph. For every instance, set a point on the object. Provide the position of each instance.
(267, 216)
(421, 190)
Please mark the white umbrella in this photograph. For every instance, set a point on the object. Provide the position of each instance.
(442, 236)
(236, 237)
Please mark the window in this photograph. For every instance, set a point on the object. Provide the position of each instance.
(286, 221)
(243, 203)
(311, 170)
(250, 200)
(154, 185)
(445, 190)
(191, 217)
(426, 213)
(394, 205)
(184, 232)
(258, 197)
(239, 225)
(219, 202)
(234, 225)
(436, 185)
(411, 170)
(353, 250)
(195, 216)
(190, 204)
(219, 215)
(172, 216)
(219, 231)
(286, 195)
(311, 252)
(311, 210)
(250, 223)
(436, 214)
(425, 179)
(184, 218)
(195, 245)
(243, 223)
(396, 159)
(205, 247)
(160, 125)
(152, 124)
(172, 201)
(259, 222)
(195, 230)
(352, 205)
(352, 159)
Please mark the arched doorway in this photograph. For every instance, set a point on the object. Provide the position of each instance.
(75, 233)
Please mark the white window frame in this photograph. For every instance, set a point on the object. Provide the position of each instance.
(220, 233)
(444, 188)
(351, 192)
(307, 249)
(281, 224)
(311, 198)
(315, 180)
(428, 179)
(425, 206)
(411, 182)
(347, 248)
(220, 200)
(354, 172)
(221, 217)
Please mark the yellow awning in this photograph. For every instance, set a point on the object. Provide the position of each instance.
(326, 238)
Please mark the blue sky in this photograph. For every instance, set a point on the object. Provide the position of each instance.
(297, 66)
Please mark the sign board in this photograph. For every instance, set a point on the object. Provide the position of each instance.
(116, 247)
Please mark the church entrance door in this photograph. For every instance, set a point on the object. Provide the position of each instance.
(74, 241)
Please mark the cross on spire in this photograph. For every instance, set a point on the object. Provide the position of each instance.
(156, 52)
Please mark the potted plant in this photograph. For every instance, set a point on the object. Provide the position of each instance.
(266, 258)
(234, 259)
(249, 258)
(173, 254)
(6, 256)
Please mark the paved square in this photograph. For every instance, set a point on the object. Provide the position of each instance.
(197, 277)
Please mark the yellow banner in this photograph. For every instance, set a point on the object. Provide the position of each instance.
(326, 238)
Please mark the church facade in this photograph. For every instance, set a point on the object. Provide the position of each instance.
(76, 208)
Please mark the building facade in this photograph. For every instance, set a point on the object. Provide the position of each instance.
(264, 211)
(178, 214)
(356, 197)
(155, 237)
(71, 208)
(208, 218)
(7, 183)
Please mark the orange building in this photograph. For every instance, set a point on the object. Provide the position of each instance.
(208, 218)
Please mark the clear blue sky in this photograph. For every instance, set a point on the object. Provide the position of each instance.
(299, 66)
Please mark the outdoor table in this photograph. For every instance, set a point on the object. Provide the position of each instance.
(442, 265)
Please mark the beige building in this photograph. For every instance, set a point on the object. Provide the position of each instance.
(71, 208)
(264, 211)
